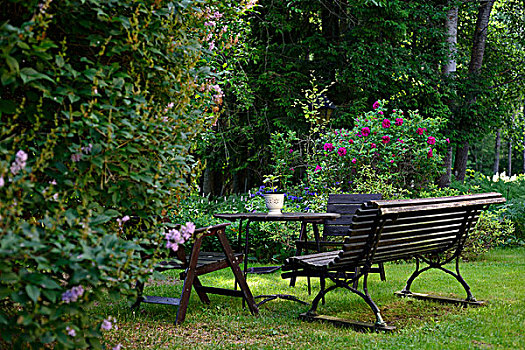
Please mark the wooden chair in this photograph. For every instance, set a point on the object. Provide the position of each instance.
(199, 263)
(334, 231)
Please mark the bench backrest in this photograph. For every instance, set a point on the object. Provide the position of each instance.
(389, 230)
(346, 205)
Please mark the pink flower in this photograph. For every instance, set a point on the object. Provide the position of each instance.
(351, 141)
(430, 153)
(431, 140)
(392, 161)
(420, 131)
(317, 168)
(375, 105)
(290, 151)
(365, 131)
(386, 123)
(399, 121)
(401, 141)
(341, 151)
(448, 140)
(106, 325)
(354, 160)
(380, 112)
(328, 147)
(386, 139)
(373, 145)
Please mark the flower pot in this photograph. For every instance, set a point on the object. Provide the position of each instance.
(274, 203)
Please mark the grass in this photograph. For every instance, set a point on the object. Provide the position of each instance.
(498, 277)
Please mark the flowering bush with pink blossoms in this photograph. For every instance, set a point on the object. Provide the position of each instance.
(404, 147)
(101, 104)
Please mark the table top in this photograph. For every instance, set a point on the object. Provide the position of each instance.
(307, 217)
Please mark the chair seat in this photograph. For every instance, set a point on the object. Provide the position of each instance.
(206, 259)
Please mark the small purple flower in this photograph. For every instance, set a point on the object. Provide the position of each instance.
(2, 182)
(19, 163)
(76, 157)
(117, 347)
(106, 325)
(386, 123)
(70, 331)
(72, 295)
(87, 149)
(399, 121)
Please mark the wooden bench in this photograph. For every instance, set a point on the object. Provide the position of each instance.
(432, 230)
(198, 263)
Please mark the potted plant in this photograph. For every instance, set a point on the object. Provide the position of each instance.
(274, 199)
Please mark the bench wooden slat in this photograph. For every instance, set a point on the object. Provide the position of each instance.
(435, 200)
(437, 206)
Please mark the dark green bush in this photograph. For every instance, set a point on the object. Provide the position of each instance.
(101, 102)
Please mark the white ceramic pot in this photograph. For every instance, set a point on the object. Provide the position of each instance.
(274, 203)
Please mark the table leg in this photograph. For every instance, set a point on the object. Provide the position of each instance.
(302, 236)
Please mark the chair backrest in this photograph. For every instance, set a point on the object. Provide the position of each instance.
(346, 205)
(390, 230)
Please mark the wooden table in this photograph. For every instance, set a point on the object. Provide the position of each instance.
(305, 218)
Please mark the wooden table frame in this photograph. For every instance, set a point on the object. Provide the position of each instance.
(305, 218)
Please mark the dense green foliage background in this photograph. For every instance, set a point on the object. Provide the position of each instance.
(364, 51)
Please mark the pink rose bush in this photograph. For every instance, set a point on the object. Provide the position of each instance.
(413, 159)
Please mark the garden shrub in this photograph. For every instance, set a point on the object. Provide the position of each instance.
(512, 188)
(100, 104)
(490, 231)
(403, 147)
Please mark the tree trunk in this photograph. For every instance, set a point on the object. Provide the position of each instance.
(445, 179)
(207, 184)
(452, 39)
(497, 153)
(509, 167)
(476, 60)
(460, 165)
(449, 69)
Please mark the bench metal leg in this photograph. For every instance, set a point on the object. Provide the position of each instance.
(379, 324)
(470, 300)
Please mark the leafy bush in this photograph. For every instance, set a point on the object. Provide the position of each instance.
(390, 142)
(512, 188)
(490, 231)
(101, 101)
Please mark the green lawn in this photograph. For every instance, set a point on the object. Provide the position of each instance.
(499, 278)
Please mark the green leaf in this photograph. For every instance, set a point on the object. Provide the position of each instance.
(29, 74)
(100, 219)
(59, 60)
(33, 292)
(12, 63)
